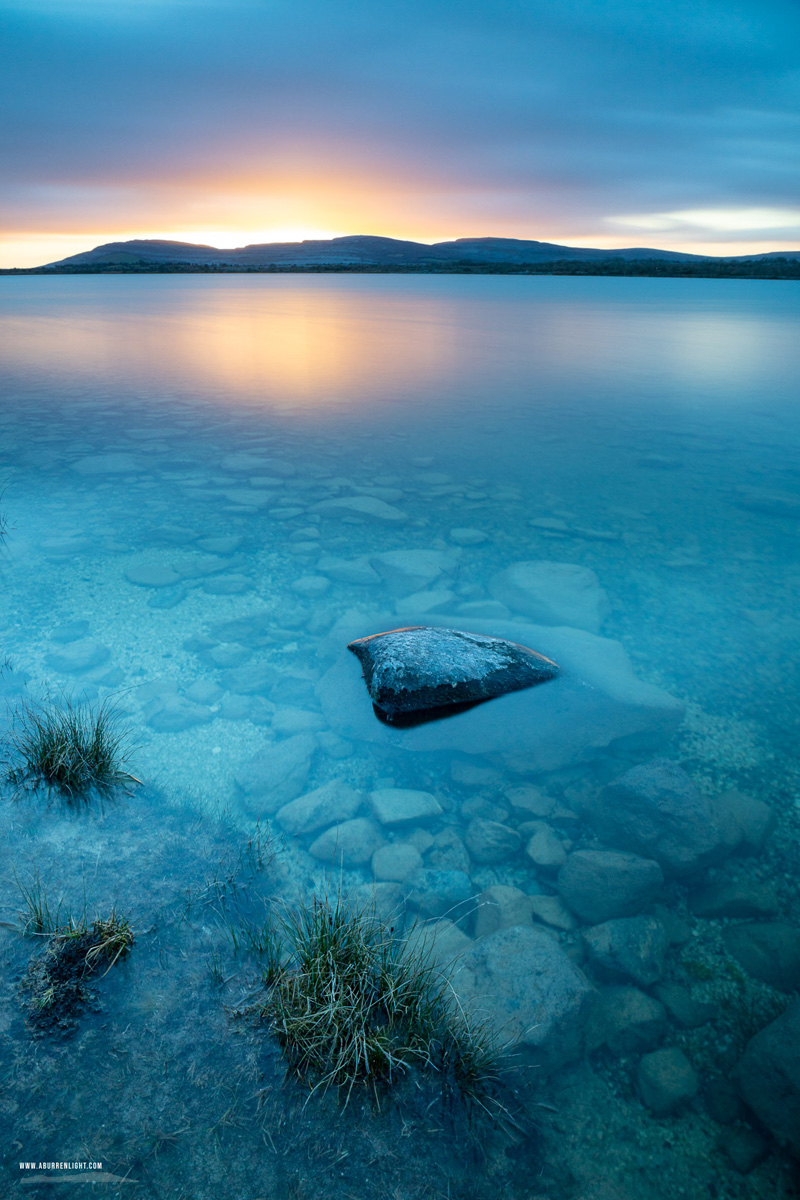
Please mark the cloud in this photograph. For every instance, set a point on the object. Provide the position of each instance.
(535, 117)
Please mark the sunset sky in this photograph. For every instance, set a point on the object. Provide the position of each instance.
(590, 122)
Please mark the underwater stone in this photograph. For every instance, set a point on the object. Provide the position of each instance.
(544, 847)
(490, 841)
(175, 714)
(296, 720)
(422, 603)
(77, 657)
(224, 546)
(424, 668)
(655, 808)
(408, 571)
(769, 504)
(630, 947)
(767, 950)
(684, 1010)
(398, 806)
(551, 911)
(249, 497)
(442, 941)
(228, 585)
(333, 802)
(351, 843)
(500, 907)
(522, 982)
(152, 576)
(745, 823)
(279, 772)
(366, 508)
(735, 898)
(467, 537)
(601, 884)
(396, 862)
(447, 851)
(349, 570)
(626, 1020)
(442, 894)
(553, 593)
(73, 631)
(768, 1077)
(666, 1080)
(253, 680)
(491, 609)
(311, 586)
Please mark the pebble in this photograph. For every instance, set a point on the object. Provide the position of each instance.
(396, 862)
(350, 843)
(400, 806)
(77, 657)
(544, 848)
(311, 586)
(335, 802)
(490, 841)
(666, 1080)
(468, 537)
(153, 576)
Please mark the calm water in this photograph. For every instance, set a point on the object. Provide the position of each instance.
(202, 475)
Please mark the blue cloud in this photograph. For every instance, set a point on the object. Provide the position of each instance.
(538, 106)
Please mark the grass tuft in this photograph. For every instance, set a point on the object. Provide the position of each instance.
(354, 1004)
(38, 917)
(75, 952)
(74, 750)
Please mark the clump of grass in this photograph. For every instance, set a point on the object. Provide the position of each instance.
(353, 1004)
(57, 981)
(38, 918)
(264, 940)
(75, 750)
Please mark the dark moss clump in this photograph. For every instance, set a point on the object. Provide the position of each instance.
(58, 980)
(354, 1004)
(73, 750)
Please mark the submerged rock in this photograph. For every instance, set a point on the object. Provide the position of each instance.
(423, 669)
(521, 981)
(595, 701)
(628, 948)
(666, 1080)
(335, 801)
(766, 950)
(407, 571)
(553, 593)
(655, 808)
(768, 1077)
(403, 806)
(598, 885)
(361, 508)
(626, 1020)
(349, 844)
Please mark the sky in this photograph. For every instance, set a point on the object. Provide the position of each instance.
(229, 122)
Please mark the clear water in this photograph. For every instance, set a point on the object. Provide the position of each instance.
(165, 443)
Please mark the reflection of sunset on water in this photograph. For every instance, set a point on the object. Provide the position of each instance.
(360, 343)
(265, 343)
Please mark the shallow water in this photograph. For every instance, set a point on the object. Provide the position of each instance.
(172, 450)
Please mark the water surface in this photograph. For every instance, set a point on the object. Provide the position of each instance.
(166, 444)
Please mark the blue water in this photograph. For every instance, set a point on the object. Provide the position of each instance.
(171, 448)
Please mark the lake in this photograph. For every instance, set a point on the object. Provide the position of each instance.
(210, 486)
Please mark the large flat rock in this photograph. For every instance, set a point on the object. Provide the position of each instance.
(521, 981)
(595, 701)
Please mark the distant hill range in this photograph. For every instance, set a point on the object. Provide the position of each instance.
(382, 253)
